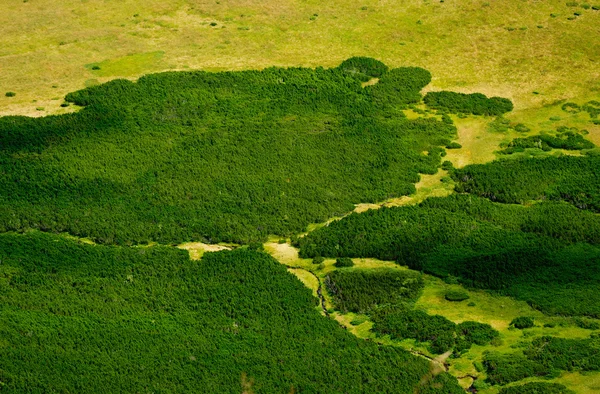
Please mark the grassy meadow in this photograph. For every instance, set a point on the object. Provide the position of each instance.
(510, 48)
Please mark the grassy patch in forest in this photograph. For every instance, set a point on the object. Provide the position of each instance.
(481, 306)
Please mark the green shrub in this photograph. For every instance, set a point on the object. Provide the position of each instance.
(521, 128)
(564, 139)
(401, 323)
(358, 321)
(364, 67)
(499, 125)
(571, 179)
(572, 4)
(441, 335)
(456, 295)
(399, 87)
(522, 322)
(565, 354)
(536, 254)
(587, 324)
(235, 149)
(592, 108)
(341, 262)
(585, 6)
(447, 165)
(477, 333)
(571, 107)
(318, 260)
(10, 94)
(74, 312)
(453, 145)
(506, 368)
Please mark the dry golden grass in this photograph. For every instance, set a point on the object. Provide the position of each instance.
(465, 44)
(197, 249)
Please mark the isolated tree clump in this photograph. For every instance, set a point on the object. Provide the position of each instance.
(344, 262)
(364, 68)
(522, 322)
(475, 103)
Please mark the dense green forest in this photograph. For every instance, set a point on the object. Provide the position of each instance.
(360, 290)
(228, 156)
(103, 319)
(535, 253)
(545, 356)
(475, 103)
(567, 178)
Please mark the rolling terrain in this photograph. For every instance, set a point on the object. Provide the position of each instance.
(257, 197)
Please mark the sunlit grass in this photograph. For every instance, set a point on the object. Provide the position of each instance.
(467, 45)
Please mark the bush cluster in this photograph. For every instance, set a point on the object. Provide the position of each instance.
(545, 356)
(440, 333)
(361, 290)
(567, 178)
(565, 139)
(522, 322)
(536, 388)
(475, 103)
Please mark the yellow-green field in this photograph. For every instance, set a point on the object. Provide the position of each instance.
(509, 48)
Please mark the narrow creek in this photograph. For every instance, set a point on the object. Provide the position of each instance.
(438, 363)
(319, 289)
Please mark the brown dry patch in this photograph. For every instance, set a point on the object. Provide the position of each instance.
(284, 253)
(197, 249)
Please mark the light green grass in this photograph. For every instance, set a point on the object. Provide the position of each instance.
(130, 65)
(465, 44)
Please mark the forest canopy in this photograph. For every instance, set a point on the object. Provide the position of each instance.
(227, 156)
